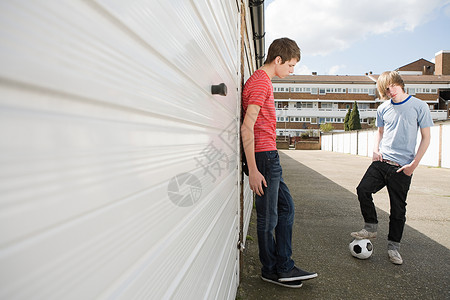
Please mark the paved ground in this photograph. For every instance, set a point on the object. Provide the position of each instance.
(323, 187)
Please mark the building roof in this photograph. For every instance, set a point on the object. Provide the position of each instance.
(361, 79)
(416, 65)
(424, 79)
(323, 79)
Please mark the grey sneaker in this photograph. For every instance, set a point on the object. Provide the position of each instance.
(395, 257)
(363, 234)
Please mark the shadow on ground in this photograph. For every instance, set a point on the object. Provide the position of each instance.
(325, 215)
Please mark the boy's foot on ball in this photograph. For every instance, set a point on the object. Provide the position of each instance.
(363, 234)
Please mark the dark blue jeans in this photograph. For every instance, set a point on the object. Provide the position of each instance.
(275, 216)
(378, 175)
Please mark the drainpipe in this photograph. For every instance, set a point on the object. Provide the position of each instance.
(257, 15)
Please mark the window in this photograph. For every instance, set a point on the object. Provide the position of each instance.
(314, 91)
(327, 105)
(322, 91)
(334, 90)
(363, 106)
(426, 91)
(301, 90)
(281, 89)
(305, 104)
(369, 91)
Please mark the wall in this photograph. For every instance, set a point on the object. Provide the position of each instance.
(361, 143)
(120, 170)
(249, 66)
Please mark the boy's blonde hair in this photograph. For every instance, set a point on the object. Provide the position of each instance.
(386, 79)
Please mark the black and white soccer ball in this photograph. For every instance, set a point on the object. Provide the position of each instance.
(361, 249)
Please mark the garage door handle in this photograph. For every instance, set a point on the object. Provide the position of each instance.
(219, 89)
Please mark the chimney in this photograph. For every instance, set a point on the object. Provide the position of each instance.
(427, 70)
(442, 63)
(314, 73)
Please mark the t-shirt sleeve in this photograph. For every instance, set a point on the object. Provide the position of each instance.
(380, 122)
(257, 93)
(424, 118)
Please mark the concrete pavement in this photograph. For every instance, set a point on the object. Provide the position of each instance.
(323, 187)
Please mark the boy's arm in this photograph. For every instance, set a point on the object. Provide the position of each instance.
(248, 141)
(423, 146)
(376, 144)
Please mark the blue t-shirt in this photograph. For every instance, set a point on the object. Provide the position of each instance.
(401, 122)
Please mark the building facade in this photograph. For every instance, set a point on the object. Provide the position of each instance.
(304, 102)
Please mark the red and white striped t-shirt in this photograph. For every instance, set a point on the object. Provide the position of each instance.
(258, 90)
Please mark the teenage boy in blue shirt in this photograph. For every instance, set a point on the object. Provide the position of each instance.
(394, 158)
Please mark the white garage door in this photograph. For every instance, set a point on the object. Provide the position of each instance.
(118, 175)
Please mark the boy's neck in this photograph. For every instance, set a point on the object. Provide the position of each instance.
(269, 69)
(400, 98)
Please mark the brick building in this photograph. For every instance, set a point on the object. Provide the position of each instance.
(303, 102)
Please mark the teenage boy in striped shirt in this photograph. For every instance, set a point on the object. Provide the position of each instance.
(274, 204)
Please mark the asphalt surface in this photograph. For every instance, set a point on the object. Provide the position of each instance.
(323, 187)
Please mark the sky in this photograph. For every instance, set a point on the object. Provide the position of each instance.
(353, 37)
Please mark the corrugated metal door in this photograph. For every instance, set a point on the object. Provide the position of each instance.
(118, 175)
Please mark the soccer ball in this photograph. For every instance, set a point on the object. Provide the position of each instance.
(361, 249)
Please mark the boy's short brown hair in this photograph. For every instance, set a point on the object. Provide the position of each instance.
(386, 79)
(285, 48)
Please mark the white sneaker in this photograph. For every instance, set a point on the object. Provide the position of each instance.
(395, 257)
(363, 234)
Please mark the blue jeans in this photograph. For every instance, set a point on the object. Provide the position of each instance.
(378, 175)
(275, 216)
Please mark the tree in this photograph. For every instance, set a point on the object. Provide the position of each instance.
(326, 127)
(354, 123)
(347, 118)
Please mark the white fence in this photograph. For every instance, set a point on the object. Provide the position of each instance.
(361, 143)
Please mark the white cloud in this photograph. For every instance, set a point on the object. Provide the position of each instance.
(301, 70)
(335, 69)
(321, 27)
